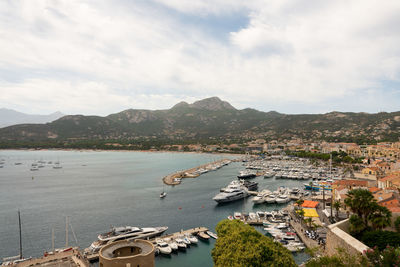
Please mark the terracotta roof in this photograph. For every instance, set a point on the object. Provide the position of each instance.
(394, 209)
(374, 189)
(390, 178)
(390, 203)
(351, 183)
(383, 196)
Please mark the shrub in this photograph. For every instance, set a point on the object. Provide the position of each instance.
(381, 239)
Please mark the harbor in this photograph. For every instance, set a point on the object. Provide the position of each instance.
(131, 197)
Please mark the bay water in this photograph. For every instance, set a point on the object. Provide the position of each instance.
(100, 189)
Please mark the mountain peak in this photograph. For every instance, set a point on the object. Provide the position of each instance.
(212, 103)
(181, 104)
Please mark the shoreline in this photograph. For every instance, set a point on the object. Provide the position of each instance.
(118, 150)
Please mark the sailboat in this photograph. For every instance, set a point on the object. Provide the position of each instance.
(18, 258)
(163, 193)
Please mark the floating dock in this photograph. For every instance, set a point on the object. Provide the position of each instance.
(170, 179)
(92, 257)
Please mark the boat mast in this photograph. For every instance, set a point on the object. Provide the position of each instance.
(66, 231)
(52, 239)
(20, 236)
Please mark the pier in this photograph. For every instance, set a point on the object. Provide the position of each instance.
(92, 257)
(170, 179)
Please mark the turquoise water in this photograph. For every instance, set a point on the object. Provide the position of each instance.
(99, 189)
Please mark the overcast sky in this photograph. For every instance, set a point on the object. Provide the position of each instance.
(292, 56)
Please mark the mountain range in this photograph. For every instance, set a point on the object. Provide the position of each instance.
(11, 117)
(210, 118)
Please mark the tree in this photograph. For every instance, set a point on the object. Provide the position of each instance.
(380, 217)
(337, 206)
(361, 202)
(301, 213)
(309, 222)
(239, 244)
(397, 224)
(356, 224)
(389, 256)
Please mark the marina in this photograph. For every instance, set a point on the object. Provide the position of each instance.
(93, 201)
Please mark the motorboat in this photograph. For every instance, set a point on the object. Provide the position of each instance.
(253, 216)
(163, 247)
(247, 174)
(250, 185)
(237, 215)
(231, 194)
(282, 199)
(192, 238)
(172, 244)
(260, 198)
(271, 198)
(181, 244)
(203, 236)
(163, 194)
(213, 235)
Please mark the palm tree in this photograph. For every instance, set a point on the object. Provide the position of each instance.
(299, 203)
(381, 217)
(301, 213)
(309, 221)
(361, 202)
(337, 206)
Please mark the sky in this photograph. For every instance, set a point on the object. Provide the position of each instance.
(97, 57)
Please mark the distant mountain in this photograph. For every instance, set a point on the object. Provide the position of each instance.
(210, 118)
(11, 117)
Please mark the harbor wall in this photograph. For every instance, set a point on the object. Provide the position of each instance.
(338, 237)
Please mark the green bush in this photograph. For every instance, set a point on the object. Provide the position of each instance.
(241, 245)
(381, 239)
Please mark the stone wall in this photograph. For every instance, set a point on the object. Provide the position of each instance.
(338, 237)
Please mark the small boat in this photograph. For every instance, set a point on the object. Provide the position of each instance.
(230, 217)
(181, 244)
(203, 236)
(213, 235)
(172, 244)
(237, 215)
(163, 247)
(163, 194)
(192, 238)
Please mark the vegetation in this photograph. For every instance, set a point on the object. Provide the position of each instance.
(381, 239)
(211, 119)
(387, 257)
(340, 259)
(241, 245)
(366, 211)
(337, 207)
(337, 157)
(397, 224)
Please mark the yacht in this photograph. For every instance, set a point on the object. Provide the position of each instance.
(126, 232)
(260, 198)
(246, 174)
(231, 194)
(270, 198)
(282, 199)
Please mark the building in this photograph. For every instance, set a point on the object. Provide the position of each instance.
(127, 253)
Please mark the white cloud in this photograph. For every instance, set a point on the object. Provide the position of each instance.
(97, 57)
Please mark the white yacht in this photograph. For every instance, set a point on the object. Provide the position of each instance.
(231, 194)
(126, 232)
(282, 199)
(260, 198)
(246, 174)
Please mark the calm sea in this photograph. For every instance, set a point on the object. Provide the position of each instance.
(99, 189)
